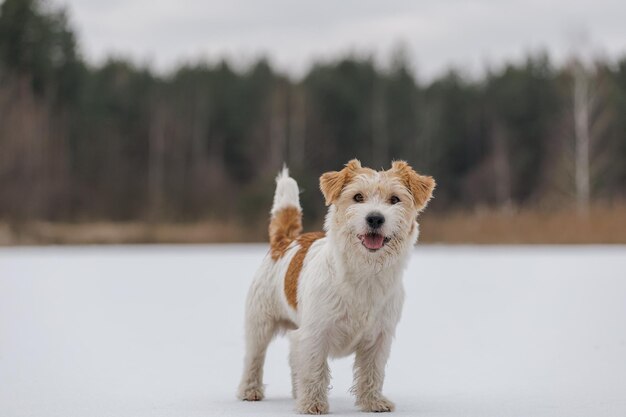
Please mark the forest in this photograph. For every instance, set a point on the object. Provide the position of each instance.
(122, 142)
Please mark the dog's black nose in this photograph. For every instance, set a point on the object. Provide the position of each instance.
(375, 220)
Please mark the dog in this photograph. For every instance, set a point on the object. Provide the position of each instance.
(339, 291)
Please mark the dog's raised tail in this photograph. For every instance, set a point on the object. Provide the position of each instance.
(286, 214)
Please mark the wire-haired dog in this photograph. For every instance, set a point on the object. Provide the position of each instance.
(337, 292)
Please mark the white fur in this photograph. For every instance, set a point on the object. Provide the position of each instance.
(349, 301)
(287, 193)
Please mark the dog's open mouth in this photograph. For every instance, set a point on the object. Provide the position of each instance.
(373, 241)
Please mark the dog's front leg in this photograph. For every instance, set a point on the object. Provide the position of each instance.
(312, 373)
(369, 374)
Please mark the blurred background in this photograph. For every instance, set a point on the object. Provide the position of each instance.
(140, 121)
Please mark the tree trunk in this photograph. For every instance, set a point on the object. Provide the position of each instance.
(583, 138)
(156, 164)
(380, 148)
(297, 128)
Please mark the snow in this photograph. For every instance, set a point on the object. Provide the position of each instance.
(157, 331)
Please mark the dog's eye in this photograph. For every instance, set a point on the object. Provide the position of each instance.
(358, 197)
(394, 200)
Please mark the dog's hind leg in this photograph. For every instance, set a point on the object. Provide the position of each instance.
(259, 333)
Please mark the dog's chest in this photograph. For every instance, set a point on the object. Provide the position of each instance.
(360, 316)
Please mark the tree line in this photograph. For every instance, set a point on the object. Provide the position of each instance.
(117, 141)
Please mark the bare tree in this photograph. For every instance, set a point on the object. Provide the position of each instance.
(297, 126)
(156, 162)
(501, 168)
(380, 134)
(583, 103)
(278, 126)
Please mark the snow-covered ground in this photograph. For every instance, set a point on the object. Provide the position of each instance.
(157, 331)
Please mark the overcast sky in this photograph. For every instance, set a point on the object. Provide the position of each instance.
(470, 35)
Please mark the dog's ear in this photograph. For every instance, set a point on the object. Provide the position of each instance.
(420, 186)
(331, 183)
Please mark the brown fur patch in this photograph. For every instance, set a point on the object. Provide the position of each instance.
(284, 228)
(295, 266)
(421, 186)
(332, 183)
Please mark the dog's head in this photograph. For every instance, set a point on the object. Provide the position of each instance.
(375, 211)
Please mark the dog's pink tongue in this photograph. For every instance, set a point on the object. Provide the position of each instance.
(373, 241)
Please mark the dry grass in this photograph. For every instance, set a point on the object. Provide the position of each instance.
(604, 224)
(46, 233)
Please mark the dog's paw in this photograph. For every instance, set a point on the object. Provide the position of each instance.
(376, 404)
(313, 407)
(251, 394)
